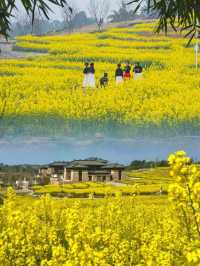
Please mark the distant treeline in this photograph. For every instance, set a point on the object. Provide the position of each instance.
(143, 164)
(41, 26)
(22, 25)
(10, 173)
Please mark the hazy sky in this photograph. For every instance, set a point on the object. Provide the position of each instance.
(81, 4)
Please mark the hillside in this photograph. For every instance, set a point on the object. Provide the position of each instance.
(8, 50)
(144, 107)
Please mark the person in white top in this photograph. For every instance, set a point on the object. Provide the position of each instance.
(86, 75)
(91, 77)
(137, 71)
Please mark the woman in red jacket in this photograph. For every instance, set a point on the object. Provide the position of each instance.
(127, 71)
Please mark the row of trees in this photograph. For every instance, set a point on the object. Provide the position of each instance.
(23, 25)
(72, 18)
(9, 174)
(179, 14)
(99, 11)
(143, 164)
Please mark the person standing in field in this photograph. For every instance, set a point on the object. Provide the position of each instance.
(127, 71)
(91, 76)
(86, 75)
(119, 74)
(137, 71)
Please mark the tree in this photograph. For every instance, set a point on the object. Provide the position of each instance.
(37, 25)
(69, 16)
(99, 10)
(23, 25)
(179, 14)
(81, 19)
(123, 14)
(150, 14)
(8, 7)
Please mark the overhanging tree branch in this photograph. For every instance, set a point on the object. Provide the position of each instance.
(183, 15)
(7, 8)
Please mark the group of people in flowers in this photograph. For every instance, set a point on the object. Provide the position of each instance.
(121, 74)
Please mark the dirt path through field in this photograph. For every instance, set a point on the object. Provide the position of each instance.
(6, 51)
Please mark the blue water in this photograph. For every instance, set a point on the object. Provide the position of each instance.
(40, 150)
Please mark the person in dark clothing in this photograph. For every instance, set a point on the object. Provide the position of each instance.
(127, 71)
(86, 75)
(137, 71)
(92, 76)
(91, 68)
(86, 69)
(104, 80)
(119, 74)
(137, 68)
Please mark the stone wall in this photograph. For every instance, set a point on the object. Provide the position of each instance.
(115, 174)
(94, 178)
(50, 171)
(123, 175)
(74, 176)
(85, 177)
(67, 174)
(108, 178)
(43, 171)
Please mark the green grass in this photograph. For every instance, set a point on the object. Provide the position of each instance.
(29, 49)
(7, 74)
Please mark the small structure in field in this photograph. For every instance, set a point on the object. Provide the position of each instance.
(91, 169)
(22, 184)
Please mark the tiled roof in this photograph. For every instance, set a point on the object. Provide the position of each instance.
(59, 163)
(44, 166)
(87, 163)
(77, 165)
(114, 166)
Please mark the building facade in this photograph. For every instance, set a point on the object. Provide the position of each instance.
(92, 169)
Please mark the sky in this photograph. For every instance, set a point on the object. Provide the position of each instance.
(81, 4)
(41, 150)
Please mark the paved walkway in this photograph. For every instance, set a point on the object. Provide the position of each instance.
(116, 184)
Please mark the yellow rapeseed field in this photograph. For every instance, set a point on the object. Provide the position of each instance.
(50, 85)
(118, 231)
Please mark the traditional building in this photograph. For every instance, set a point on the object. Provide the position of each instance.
(91, 169)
